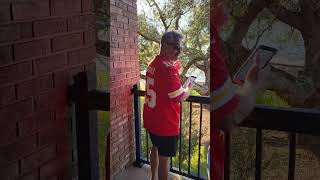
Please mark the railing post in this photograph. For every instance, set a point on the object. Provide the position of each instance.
(85, 130)
(258, 154)
(292, 156)
(227, 161)
(137, 125)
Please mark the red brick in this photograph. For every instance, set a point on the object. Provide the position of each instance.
(121, 18)
(46, 120)
(80, 22)
(91, 68)
(32, 49)
(56, 167)
(31, 176)
(39, 120)
(87, 6)
(67, 42)
(64, 146)
(7, 95)
(5, 55)
(28, 10)
(90, 37)
(49, 27)
(82, 56)
(117, 38)
(5, 14)
(117, 51)
(132, 9)
(65, 7)
(17, 72)
(115, 9)
(43, 101)
(130, 15)
(8, 133)
(116, 24)
(18, 149)
(15, 32)
(34, 86)
(121, 5)
(9, 171)
(16, 111)
(66, 175)
(51, 63)
(38, 158)
(46, 137)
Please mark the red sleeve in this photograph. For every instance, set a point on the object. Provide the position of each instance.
(223, 97)
(173, 82)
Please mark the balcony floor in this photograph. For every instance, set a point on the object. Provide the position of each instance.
(144, 173)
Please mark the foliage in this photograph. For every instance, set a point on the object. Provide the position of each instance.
(190, 17)
(270, 98)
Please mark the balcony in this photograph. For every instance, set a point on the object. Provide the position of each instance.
(293, 123)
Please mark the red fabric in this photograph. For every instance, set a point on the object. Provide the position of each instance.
(218, 76)
(164, 118)
(217, 14)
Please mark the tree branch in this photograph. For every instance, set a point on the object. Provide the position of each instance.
(293, 19)
(285, 85)
(242, 24)
(149, 38)
(161, 15)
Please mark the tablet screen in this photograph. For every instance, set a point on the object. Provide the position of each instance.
(265, 54)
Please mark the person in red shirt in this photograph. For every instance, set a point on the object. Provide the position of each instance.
(230, 103)
(161, 113)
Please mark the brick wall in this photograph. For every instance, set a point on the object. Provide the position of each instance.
(124, 72)
(42, 44)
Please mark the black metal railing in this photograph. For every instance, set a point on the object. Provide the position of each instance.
(192, 100)
(86, 127)
(289, 120)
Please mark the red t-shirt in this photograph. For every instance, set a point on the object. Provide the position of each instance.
(223, 101)
(161, 113)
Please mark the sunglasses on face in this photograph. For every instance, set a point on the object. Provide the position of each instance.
(175, 46)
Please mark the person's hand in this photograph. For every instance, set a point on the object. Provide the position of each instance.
(252, 75)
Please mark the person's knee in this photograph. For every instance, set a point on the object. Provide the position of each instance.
(163, 159)
(154, 148)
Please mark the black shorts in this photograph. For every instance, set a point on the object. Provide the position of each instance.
(167, 145)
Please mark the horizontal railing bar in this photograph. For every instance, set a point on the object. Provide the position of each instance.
(194, 99)
(98, 100)
(284, 119)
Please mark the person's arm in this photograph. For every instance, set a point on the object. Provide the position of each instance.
(247, 99)
(182, 93)
(246, 102)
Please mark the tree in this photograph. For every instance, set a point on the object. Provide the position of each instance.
(190, 17)
(302, 16)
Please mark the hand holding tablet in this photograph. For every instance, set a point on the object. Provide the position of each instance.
(261, 56)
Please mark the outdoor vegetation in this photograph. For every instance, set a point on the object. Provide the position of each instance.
(102, 16)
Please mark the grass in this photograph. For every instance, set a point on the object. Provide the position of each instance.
(103, 123)
(272, 99)
(103, 126)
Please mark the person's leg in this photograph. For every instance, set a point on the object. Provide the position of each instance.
(163, 171)
(154, 162)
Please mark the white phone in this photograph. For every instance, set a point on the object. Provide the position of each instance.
(266, 54)
(191, 80)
